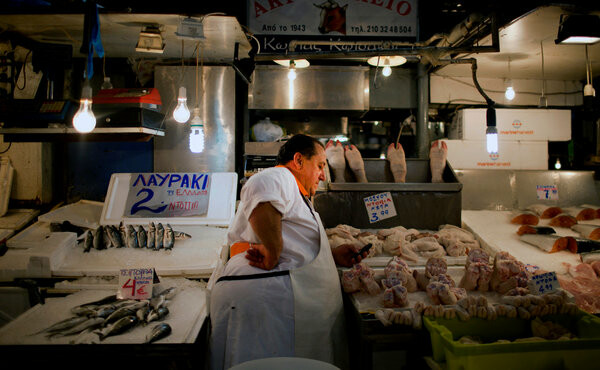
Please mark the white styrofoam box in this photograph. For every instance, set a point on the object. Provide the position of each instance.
(514, 124)
(221, 203)
(6, 178)
(523, 155)
(49, 256)
(15, 219)
(85, 213)
(13, 265)
(32, 236)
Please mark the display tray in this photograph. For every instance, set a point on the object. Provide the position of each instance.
(495, 233)
(368, 304)
(15, 219)
(194, 257)
(85, 213)
(187, 312)
(544, 354)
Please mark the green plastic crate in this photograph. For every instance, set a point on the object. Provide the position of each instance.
(581, 353)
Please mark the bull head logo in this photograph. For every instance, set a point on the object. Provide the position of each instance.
(333, 17)
(517, 124)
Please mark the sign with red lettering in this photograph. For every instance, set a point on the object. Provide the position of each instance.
(135, 283)
(332, 19)
(380, 206)
(159, 195)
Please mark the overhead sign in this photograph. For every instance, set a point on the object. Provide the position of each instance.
(168, 195)
(274, 22)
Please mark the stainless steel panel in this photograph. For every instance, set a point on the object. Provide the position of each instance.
(483, 189)
(315, 87)
(217, 107)
(507, 189)
(399, 90)
(574, 187)
(379, 175)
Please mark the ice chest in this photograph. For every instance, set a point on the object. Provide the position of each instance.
(550, 354)
(419, 203)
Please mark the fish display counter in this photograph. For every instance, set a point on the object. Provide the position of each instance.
(173, 224)
(60, 328)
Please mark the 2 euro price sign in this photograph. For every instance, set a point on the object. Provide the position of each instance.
(136, 283)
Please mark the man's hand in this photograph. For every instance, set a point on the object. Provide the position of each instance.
(261, 257)
(343, 255)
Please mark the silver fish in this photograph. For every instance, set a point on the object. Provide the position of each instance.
(121, 312)
(105, 311)
(98, 241)
(169, 292)
(115, 236)
(158, 314)
(142, 237)
(84, 310)
(158, 332)
(123, 232)
(132, 240)
(124, 302)
(103, 301)
(90, 323)
(142, 313)
(158, 301)
(88, 241)
(159, 238)
(122, 325)
(63, 325)
(169, 238)
(151, 235)
(106, 237)
(180, 235)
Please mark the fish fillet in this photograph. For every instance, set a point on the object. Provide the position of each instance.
(525, 218)
(549, 243)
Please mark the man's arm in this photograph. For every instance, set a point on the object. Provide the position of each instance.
(266, 223)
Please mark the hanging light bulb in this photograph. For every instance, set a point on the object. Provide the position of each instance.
(84, 120)
(197, 133)
(387, 70)
(181, 113)
(557, 165)
(292, 72)
(509, 94)
(491, 132)
(588, 89)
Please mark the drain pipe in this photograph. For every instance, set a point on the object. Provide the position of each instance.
(422, 109)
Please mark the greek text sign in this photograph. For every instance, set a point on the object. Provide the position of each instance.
(544, 283)
(547, 192)
(160, 195)
(380, 206)
(346, 18)
(136, 283)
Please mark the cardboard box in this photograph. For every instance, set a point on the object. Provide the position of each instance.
(514, 124)
(516, 155)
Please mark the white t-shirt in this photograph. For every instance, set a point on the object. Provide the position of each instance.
(300, 230)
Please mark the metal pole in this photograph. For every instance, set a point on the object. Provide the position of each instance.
(423, 108)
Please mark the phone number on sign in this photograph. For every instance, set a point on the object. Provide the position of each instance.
(380, 29)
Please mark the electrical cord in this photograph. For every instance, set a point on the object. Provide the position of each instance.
(7, 149)
(24, 72)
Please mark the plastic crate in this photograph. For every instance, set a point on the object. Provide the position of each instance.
(550, 354)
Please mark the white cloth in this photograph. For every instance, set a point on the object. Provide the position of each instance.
(255, 318)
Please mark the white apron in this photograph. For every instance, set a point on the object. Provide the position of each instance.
(318, 308)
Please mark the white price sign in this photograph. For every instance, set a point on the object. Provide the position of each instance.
(380, 206)
(544, 283)
(547, 192)
(136, 283)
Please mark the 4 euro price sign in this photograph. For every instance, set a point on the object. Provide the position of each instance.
(136, 283)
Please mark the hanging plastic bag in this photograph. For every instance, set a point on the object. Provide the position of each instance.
(265, 130)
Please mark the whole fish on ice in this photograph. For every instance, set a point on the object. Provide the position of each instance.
(151, 235)
(63, 325)
(142, 237)
(169, 239)
(159, 238)
(132, 239)
(158, 332)
(120, 326)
